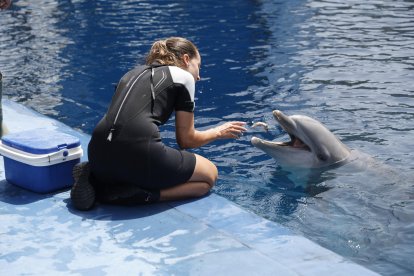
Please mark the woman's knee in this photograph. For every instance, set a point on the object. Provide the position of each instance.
(203, 189)
(213, 174)
(205, 171)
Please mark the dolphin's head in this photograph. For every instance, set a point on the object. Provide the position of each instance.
(312, 145)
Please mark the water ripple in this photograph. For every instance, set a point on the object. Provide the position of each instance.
(348, 63)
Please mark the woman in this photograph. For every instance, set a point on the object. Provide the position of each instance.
(128, 162)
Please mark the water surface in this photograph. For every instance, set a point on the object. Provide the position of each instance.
(350, 65)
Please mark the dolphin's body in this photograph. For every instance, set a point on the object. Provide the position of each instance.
(312, 145)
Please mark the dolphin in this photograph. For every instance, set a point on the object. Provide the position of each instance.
(312, 145)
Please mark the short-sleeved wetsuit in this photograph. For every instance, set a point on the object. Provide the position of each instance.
(126, 147)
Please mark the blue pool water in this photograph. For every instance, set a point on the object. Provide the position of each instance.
(348, 63)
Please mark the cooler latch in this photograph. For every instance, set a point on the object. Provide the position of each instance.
(62, 150)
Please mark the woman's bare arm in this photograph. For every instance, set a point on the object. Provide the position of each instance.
(188, 137)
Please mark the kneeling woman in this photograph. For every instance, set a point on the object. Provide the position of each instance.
(128, 162)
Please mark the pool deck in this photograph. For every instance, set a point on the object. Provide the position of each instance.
(43, 234)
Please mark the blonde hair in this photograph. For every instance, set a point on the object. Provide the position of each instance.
(171, 50)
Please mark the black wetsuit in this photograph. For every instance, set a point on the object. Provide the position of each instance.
(126, 150)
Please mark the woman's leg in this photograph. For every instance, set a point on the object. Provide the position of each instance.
(203, 179)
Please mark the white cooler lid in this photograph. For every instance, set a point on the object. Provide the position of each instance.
(40, 147)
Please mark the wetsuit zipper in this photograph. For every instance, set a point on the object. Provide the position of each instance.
(112, 129)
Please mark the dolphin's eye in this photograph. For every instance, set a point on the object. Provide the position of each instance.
(321, 157)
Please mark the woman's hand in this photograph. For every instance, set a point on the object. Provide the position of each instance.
(188, 137)
(230, 130)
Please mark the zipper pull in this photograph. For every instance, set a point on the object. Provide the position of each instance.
(109, 138)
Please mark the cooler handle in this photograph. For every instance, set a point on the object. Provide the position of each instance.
(62, 146)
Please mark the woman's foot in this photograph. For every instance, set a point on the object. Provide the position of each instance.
(82, 193)
(126, 194)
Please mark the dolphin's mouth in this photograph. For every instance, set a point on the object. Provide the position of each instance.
(295, 142)
(286, 123)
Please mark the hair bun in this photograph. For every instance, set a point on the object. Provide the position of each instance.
(170, 51)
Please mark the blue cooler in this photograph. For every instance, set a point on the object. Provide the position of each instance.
(40, 160)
